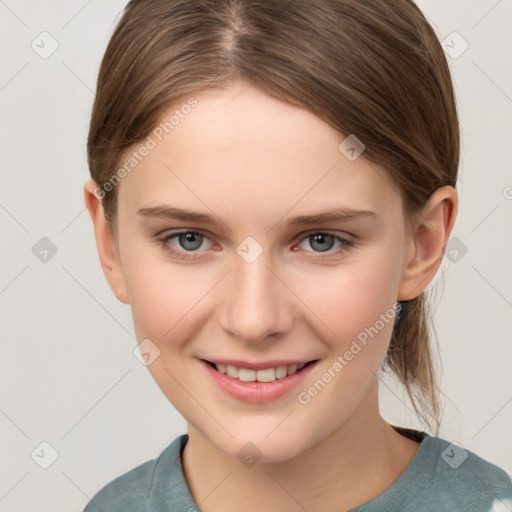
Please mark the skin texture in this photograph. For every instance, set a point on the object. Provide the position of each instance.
(256, 162)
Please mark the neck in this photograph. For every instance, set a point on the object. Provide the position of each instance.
(349, 467)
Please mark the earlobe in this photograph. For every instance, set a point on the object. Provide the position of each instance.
(429, 238)
(105, 242)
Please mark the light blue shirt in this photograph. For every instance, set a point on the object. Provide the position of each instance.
(442, 477)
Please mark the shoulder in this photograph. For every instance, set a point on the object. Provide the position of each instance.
(131, 490)
(460, 478)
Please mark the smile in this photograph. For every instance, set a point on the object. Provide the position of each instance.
(261, 382)
(265, 375)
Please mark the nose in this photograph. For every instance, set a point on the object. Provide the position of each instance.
(256, 303)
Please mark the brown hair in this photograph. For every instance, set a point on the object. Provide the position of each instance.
(372, 68)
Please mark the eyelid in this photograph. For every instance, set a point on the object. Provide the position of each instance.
(345, 236)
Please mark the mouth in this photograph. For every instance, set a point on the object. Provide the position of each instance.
(258, 383)
(263, 374)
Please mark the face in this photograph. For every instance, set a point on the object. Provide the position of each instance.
(252, 286)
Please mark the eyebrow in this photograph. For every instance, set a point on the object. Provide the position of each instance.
(331, 215)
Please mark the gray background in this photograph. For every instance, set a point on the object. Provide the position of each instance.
(68, 374)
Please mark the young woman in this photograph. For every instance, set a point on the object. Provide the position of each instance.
(273, 187)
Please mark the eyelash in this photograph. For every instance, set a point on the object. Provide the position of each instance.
(163, 242)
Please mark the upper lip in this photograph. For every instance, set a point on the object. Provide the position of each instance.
(274, 363)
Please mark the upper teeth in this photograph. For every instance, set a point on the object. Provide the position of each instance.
(266, 375)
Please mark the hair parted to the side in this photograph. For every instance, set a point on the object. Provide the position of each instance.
(372, 68)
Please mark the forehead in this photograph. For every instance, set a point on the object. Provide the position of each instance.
(243, 151)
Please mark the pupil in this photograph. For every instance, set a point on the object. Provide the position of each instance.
(321, 238)
(190, 238)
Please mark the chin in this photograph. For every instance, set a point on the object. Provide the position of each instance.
(263, 448)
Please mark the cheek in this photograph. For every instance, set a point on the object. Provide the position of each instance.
(357, 302)
(351, 299)
(163, 295)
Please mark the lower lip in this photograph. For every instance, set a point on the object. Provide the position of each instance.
(257, 392)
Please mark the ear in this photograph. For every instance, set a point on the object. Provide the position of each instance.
(428, 239)
(105, 241)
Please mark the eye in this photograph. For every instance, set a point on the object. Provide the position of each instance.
(323, 242)
(188, 241)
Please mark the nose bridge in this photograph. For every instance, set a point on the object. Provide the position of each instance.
(255, 302)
